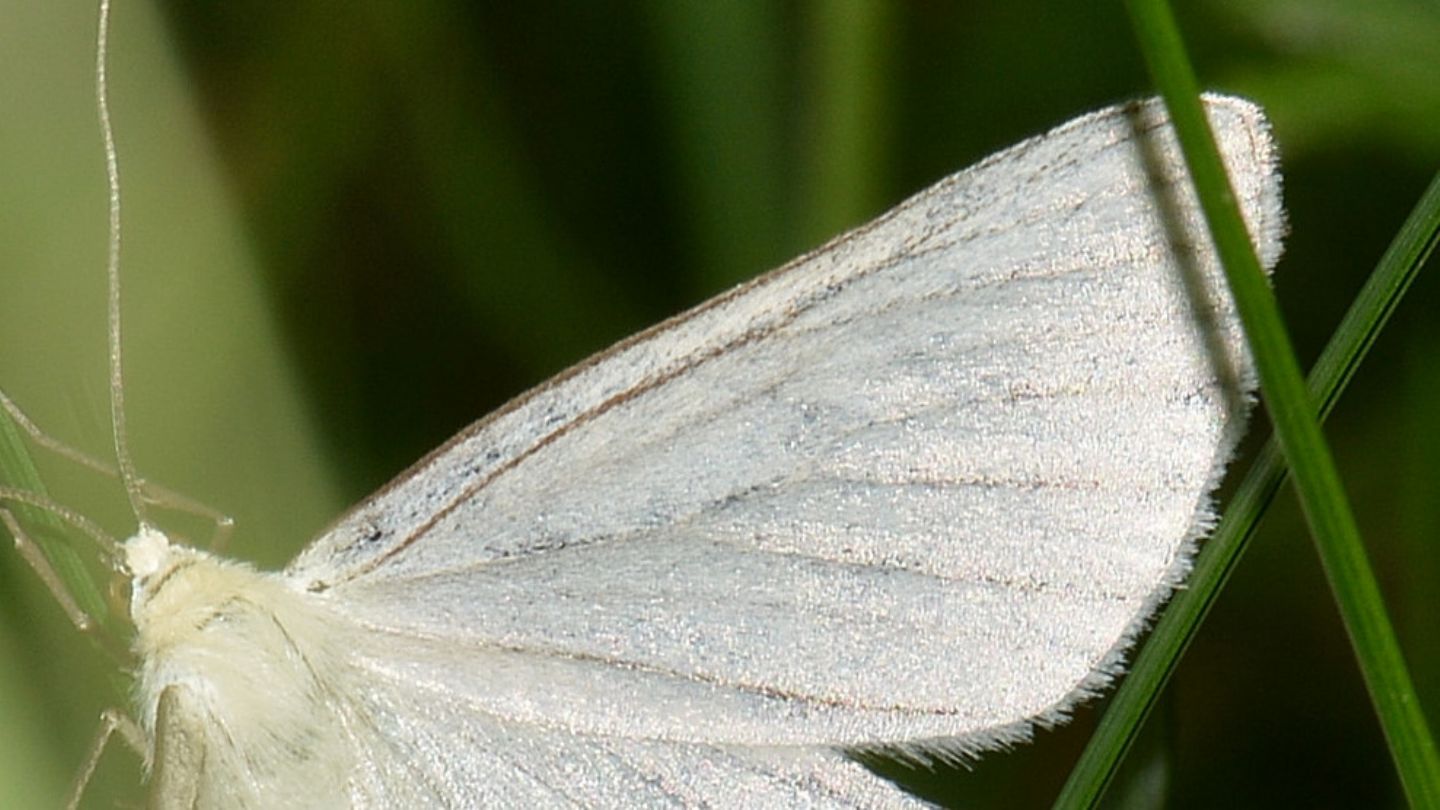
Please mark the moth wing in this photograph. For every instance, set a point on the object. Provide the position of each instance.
(472, 759)
(925, 482)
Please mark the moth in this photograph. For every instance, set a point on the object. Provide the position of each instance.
(916, 491)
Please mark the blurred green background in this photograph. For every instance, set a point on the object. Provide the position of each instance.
(351, 230)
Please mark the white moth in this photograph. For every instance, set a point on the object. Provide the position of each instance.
(918, 490)
(920, 487)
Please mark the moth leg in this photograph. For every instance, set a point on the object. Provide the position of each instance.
(111, 721)
(223, 524)
(35, 557)
(154, 494)
(45, 440)
(40, 564)
(166, 498)
(178, 765)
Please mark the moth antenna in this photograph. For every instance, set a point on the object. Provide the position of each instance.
(126, 464)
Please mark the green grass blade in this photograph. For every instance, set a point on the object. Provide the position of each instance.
(1327, 511)
(17, 470)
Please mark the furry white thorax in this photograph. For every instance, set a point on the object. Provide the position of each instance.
(238, 675)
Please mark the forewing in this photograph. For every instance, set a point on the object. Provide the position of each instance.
(925, 482)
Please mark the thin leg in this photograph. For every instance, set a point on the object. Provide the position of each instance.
(111, 721)
(45, 440)
(153, 494)
(157, 495)
(79, 521)
(41, 565)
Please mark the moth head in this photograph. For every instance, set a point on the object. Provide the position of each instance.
(146, 553)
(148, 558)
